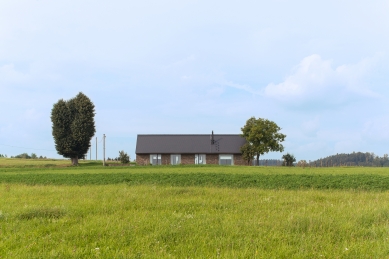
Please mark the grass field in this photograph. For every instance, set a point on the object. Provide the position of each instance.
(193, 212)
(31, 163)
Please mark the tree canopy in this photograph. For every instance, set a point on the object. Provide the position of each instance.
(289, 159)
(248, 152)
(73, 126)
(262, 136)
(124, 157)
(353, 159)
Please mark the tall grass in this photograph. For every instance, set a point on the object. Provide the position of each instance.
(193, 212)
(150, 221)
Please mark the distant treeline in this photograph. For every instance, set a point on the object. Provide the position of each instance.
(353, 159)
(27, 156)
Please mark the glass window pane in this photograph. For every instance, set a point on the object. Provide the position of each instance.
(155, 159)
(202, 159)
(199, 159)
(226, 159)
(175, 159)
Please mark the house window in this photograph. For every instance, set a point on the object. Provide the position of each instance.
(155, 159)
(175, 159)
(226, 159)
(199, 159)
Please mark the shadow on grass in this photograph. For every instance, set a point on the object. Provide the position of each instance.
(278, 181)
(43, 213)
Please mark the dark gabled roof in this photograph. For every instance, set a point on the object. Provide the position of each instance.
(189, 144)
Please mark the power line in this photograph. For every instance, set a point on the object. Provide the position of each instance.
(43, 148)
(28, 148)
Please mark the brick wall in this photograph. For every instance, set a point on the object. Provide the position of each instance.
(165, 159)
(238, 160)
(142, 159)
(188, 159)
(212, 159)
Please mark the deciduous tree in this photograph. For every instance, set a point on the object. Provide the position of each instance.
(73, 126)
(289, 159)
(263, 135)
(124, 157)
(248, 152)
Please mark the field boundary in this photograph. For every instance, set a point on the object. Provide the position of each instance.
(264, 181)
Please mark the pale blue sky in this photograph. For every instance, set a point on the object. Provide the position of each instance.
(319, 69)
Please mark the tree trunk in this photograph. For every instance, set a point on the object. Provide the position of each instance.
(257, 159)
(74, 160)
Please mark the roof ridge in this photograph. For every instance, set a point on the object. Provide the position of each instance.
(187, 134)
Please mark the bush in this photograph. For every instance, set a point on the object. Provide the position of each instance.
(302, 163)
(289, 159)
(24, 156)
(124, 157)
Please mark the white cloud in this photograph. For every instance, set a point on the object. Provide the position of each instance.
(377, 129)
(8, 73)
(312, 73)
(182, 62)
(246, 88)
(32, 115)
(214, 92)
(186, 77)
(309, 148)
(315, 79)
(311, 127)
(346, 146)
(36, 71)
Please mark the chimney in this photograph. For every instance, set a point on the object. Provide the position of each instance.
(212, 139)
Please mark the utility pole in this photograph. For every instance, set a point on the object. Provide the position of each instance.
(103, 149)
(96, 148)
(90, 151)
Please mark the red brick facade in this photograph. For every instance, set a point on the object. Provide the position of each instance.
(187, 159)
(142, 159)
(238, 160)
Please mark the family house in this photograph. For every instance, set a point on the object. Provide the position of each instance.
(219, 149)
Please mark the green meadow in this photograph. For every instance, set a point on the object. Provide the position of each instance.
(51, 210)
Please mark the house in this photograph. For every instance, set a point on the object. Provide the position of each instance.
(219, 149)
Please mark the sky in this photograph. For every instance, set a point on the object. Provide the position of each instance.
(319, 69)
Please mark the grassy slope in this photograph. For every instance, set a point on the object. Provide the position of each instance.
(191, 212)
(39, 163)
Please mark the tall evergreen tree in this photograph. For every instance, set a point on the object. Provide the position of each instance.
(73, 126)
